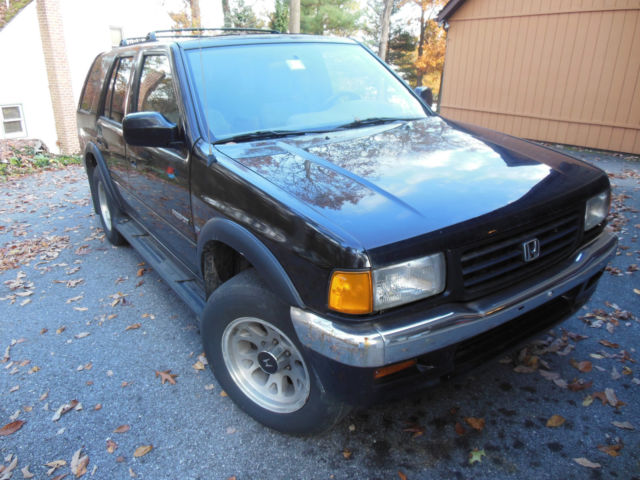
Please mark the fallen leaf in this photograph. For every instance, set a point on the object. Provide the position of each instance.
(586, 463)
(584, 366)
(578, 385)
(10, 428)
(14, 388)
(346, 453)
(402, 475)
(459, 429)
(475, 423)
(122, 429)
(133, 326)
(60, 330)
(623, 425)
(223, 394)
(82, 334)
(636, 291)
(607, 343)
(111, 446)
(612, 450)
(476, 455)
(166, 376)
(60, 477)
(26, 473)
(611, 397)
(7, 471)
(54, 465)
(588, 400)
(555, 421)
(98, 406)
(64, 409)
(79, 463)
(142, 450)
(81, 309)
(140, 272)
(132, 474)
(417, 430)
(198, 365)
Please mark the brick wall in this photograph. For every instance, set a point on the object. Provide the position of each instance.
(59, 75)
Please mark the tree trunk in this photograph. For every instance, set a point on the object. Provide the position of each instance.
(195, 14)
(294, 16)
(385, 19)
(226, 13)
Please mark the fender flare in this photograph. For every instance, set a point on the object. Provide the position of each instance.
(265, 263)
(101, 165)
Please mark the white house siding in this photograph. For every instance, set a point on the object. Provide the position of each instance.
(23, 76)
(87, 23)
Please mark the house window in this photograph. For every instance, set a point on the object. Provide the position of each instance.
(12, 122)
(116, 36)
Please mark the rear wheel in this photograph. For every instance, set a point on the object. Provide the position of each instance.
(106, 210)
(257, 359)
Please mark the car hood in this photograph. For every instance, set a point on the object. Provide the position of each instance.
(392, 182)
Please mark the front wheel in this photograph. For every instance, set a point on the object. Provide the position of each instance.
(257, 359)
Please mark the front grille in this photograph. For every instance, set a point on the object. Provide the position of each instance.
(493, 265)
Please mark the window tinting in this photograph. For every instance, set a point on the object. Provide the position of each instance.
(156, 92)
(119, 95)
(93, 87)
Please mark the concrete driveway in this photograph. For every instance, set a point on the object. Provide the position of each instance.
(84, 327)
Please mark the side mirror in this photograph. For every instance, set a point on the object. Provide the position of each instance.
(425, 94)
(149, 129)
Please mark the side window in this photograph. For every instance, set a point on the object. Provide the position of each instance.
(117, 94)
(156, 92)
(93, 85)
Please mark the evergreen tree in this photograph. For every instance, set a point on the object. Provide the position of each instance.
(337, 17)
(279, 19)
(242, 16)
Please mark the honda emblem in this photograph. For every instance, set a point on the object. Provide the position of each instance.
(531, 249)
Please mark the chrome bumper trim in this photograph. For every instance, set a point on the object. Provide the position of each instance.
(376, 344)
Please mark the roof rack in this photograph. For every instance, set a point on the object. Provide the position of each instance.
(191, 33)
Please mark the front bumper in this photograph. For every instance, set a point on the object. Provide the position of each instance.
(373, 344)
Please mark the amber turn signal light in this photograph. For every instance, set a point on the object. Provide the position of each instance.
(396, 367)
(351, 292)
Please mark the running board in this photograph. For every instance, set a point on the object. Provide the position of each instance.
(183, 282)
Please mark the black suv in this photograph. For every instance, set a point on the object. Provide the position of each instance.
(339, 241)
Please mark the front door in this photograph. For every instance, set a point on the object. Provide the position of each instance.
(158, 178)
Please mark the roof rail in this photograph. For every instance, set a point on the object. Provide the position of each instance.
(132, 41)
(191, 33)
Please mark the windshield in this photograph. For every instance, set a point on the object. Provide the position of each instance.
(294, 87)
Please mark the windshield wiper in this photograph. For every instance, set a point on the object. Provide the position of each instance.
(371, 121)
(260, 135)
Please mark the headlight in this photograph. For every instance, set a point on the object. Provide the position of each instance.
(409, 281)
(597, 210)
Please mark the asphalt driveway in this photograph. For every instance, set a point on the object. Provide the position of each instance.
(85, 327)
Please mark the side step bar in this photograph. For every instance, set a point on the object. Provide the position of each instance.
(183, 282)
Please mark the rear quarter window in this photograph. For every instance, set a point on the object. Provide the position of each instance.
(90, 99)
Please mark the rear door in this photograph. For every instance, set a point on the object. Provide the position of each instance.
(158, 178)
(109, 125)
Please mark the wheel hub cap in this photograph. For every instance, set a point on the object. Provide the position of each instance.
(265, 365)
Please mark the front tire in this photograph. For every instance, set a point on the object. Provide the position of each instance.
(106, 209)
(258, 361)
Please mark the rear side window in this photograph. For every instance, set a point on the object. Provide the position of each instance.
(93, 86)
(114, 104)
(156, 92)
